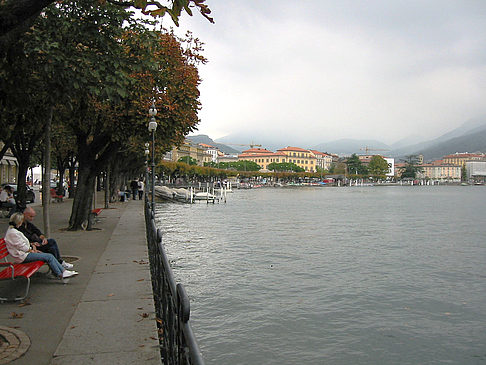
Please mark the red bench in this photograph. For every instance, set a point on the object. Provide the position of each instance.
(96, 211)
(56, 197)
(13, 271)
(91, 219)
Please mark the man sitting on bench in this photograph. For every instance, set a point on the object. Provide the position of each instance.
(22, 251)
(37, 238)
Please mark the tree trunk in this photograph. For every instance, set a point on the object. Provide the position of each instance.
(61, 167)
(21, 175)
(83, 198)
(72, 169)
(107, 188)
(46, 178)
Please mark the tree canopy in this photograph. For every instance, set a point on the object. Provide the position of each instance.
(284, 167)
(95, 70)
(16, 16)
(188, 160)
(378, 167)
(355, 166)
(411, 168)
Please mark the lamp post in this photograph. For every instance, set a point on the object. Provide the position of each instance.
(147, 153)
(152, 126)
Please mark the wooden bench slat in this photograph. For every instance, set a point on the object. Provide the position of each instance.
(19, 270)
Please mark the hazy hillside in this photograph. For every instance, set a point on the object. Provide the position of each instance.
(466, 138)
(202, 138)
(469, 137)
(350, 146)
(473, 142)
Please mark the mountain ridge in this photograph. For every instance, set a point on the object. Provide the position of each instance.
(469, 137)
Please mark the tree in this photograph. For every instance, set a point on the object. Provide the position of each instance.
(463, 173)
(355, 166)
(411, 168)
(188, 160)
(106, 68)
(16, 16)
(378, 166)
(284, 166)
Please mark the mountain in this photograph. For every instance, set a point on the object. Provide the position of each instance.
(271, 143)
(466, 138)
(407, 141)
(472, 142)
(349, 146)
(202, 138)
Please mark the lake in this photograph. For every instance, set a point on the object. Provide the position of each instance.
(327, 275)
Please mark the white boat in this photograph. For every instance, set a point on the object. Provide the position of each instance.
(205, 196)
(166, 193)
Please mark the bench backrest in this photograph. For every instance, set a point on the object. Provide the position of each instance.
(3, 248)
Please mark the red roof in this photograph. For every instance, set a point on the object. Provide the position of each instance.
(257, 151)
(319, 153)
(271, 154)
(464, 155)
(297, 149)
(206, 145)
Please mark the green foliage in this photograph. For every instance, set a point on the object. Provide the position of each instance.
(355, 166)
(235, 165)
(285, 166)
(99, 70)
(463, 173)
(378, 166)
(188, 160)
(181, 169)
(411, 167)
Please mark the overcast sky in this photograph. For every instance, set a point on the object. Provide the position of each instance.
(321, 70)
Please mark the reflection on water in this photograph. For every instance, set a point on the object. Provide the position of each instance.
(371, 275)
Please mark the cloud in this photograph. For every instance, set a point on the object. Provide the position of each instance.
(321, 70)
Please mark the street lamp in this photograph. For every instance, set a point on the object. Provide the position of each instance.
(152, 126)
(147, 153)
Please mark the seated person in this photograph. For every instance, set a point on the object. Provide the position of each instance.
(37, 238)
(7, 199)
(22, 251)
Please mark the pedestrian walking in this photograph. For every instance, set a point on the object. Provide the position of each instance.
(140, 189)
(134, 187)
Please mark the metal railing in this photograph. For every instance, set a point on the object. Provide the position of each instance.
(178, 344)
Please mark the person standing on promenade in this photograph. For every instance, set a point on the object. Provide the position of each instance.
(22, 251)
(134, 187)
(140, 189)
(37, 238)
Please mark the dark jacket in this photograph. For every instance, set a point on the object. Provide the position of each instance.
(31, 232)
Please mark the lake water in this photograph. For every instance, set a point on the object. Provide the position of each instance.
(355, 275)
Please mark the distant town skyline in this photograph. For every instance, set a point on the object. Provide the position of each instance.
(341, 69)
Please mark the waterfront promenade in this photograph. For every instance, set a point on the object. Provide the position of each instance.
(103, 316)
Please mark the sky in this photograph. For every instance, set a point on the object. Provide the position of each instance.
(316, 70)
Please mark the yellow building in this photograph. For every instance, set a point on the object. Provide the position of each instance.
(305, 159)
(440, 171)
(189, 149)
(301, 157)
(262, 157)
(460, 159)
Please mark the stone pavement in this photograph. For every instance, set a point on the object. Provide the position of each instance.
(105, 315)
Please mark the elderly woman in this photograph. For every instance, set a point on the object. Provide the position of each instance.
(21, 250)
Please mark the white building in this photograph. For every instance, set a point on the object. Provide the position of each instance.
(391, 166)
(476, 170)
(213, 151)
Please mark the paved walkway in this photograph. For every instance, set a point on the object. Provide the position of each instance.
(103, 316)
